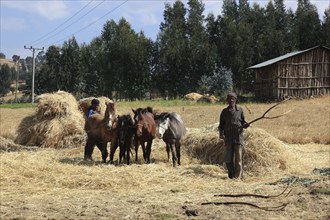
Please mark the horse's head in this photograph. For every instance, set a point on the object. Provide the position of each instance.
(110, 114)
(141, 117)
(162, 122)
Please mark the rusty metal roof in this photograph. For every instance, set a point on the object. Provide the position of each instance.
(277, 59)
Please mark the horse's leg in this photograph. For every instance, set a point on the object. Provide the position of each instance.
(121, 152)
(173, 155)
(128, 148)
(136, 148)
(148, 151)
(168, 151)
(144, 151)
(89, 147)
(178, 151)
(103, 148)
(113, 148)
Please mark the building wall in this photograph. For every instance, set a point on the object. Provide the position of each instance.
(303, 75)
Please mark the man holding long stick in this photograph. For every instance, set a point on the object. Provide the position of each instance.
(232, 122)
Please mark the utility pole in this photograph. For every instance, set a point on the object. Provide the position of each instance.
(33, 67)
(17, 72)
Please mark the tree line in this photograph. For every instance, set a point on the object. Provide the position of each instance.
(192, 52)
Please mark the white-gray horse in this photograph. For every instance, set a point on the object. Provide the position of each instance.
(171, 129)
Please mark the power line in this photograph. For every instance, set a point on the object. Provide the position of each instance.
(71, 23)
(90, 23)
(61, 24)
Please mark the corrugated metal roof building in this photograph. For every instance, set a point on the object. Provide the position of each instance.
(298, 74)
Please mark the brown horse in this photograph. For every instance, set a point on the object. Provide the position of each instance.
(126, 134)
(145, 131)
(101, 130)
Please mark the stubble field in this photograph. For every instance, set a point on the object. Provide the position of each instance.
(58, 184)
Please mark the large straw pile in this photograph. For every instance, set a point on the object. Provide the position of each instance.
(85, 104)
(262, 153)
(58, 123)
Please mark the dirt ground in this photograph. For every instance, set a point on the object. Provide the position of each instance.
(58, 184)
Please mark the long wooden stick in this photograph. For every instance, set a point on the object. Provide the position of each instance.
(255, 195)
(268, 110)
(274, 208)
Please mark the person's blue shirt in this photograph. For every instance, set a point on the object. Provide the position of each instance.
(90, 112)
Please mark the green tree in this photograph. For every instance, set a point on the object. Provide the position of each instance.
(172, 68)
(326, 28)
(69, 76)
(218, 83)
(91, 67)
(127, 70)
(5, 79)
(202, 57)
(230, 39)
(47, 77)
(307, 25)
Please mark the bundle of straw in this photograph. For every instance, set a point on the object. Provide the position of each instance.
(86, 103)
(58, 123)
(262, 152)
(192, 96)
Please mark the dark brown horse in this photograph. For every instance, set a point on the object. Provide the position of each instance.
(101, 130)
(126, 134)
(145, 131)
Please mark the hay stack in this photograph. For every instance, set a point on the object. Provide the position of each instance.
(85, 104)
(262, 153)
(192, 97)
(58, 123)
(209, 99)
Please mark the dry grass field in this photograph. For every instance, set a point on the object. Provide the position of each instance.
(292, 151)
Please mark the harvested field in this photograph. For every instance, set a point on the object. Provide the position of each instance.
(50, 183)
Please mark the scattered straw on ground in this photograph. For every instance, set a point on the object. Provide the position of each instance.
(7, 145)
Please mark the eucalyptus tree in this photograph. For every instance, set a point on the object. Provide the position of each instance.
(172, 70)
(245, 43)
(307, 25)
(326, 28)
(258, 22)
(230, 44)
(91, 67)
(69, 75)
(202, 53)
(283, 27)
(272, 38)
(47, 77)
(5, 79)
(126, 60)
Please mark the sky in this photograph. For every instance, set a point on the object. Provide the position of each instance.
(42, 23)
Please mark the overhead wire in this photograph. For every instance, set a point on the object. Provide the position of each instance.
(90, 23)
(66, 27)
(60, 24)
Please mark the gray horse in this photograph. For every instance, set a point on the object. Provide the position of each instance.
(171, 129)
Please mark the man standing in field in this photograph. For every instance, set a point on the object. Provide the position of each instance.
(230, 128)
